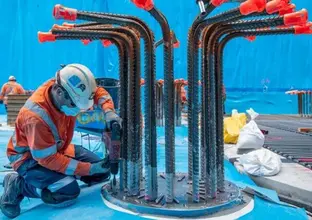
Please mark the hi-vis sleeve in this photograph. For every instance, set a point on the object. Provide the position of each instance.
(103, 99)
(44, 150)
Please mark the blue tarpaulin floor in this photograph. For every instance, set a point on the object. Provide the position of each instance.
(90, 204)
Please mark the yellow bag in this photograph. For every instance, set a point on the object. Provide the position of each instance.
(232, 126)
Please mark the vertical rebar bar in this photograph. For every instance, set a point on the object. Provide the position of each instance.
(168, 102)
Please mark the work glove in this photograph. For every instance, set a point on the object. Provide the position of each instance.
(110, 118)
(100, 167)
(1, 101)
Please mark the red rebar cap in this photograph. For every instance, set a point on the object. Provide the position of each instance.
(61, 12)
(292, 92)
(305, 29)
(144, 4)
(160, 81)
(106, 43)
(86, 41)
(251, 38)
(46, 37)
(275, 6)
(290, 8)
(68, 24)
(251, 6)
(176, 44)
(61, 27)
(296, 18)
(217, 3)
(142, 82)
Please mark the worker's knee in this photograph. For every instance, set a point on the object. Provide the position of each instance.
(62, 197)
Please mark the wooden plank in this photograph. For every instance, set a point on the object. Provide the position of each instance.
(16, 102)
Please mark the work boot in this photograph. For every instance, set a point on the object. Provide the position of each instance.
(12, 195)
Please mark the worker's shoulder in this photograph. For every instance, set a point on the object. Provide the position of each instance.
(18, 84)
(28, 117)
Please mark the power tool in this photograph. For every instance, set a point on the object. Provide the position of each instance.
(114, 152)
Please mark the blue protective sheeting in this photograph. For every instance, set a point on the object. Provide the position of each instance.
(266, 67)
(267, 210)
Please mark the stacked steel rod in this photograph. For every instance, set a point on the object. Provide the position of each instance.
(212, 35)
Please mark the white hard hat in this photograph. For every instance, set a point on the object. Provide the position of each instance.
(12, 78)
(80, 84)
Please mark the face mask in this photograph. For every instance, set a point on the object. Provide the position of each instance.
(70, 111)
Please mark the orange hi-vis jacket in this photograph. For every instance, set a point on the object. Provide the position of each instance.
(10, 88)
(44, 133)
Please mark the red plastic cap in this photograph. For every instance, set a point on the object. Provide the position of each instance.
(160, 81)
(61, 12)
(46, 37)
(305, 29)
(106, 43)
(251, 6)
(142, 82)
(176, 44)
(275, 6)
(290, 8)
(86, 41)
(251, 38)
(217, 3)
(68, 25)
(296, 18)
(61, 27)
(144, 4)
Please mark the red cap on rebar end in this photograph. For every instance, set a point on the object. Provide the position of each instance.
(217, 3)
(68, 24)
(176, 44)
(275, 6)
(251, 38)
(144, 4)
(46, 37)
(287, 9)
(86, 41)
(296, 18)
(251, 6)
(142, 82)
(61, 12)
(106, 43)
(61, 27)
(305, 29)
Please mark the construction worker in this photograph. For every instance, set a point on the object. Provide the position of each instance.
(40, 149)
(10, 88)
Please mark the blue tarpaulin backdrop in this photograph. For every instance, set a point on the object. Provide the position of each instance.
(256, 74)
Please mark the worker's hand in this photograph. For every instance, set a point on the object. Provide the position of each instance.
(100, 167)
(110, 118)
(1, 102)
